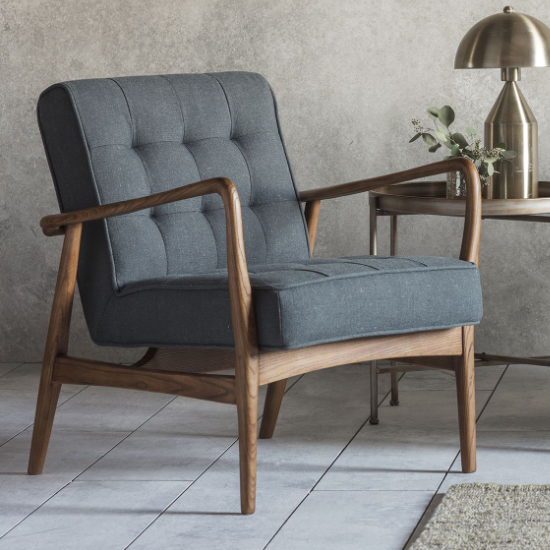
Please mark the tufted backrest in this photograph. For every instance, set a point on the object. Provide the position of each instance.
(114, 139)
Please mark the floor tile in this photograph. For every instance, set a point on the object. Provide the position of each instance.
(25, 377)
(486, 379)
(17, 410)
(425, 410)
(8, 367)
(509, 458)
(353, 520)
(405, 451)
(94, 514)
(178, 443)
(521, 401)
(209, 519)
(109, 409)
(68, 455)
(393, 459)
(18, 394)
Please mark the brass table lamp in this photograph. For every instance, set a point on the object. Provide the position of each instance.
(509, 41)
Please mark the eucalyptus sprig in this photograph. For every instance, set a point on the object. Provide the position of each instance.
(460, 146)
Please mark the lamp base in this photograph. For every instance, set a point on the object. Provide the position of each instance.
(512, 122)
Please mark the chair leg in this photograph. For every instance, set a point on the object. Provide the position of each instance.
(465, 387)
(394, 401)
(374, 392)
(56, 344)
(273, 400)
(48, 396)
(246, 379)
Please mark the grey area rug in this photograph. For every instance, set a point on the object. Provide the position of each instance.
(484, 516)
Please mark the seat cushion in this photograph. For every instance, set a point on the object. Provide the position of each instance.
(299, 304)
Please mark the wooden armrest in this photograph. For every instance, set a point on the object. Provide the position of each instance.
(343, 189)
(472, 221)
(55, 224)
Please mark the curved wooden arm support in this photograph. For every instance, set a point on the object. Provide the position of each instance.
(472, 221)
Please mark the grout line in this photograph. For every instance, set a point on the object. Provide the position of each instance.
(32, 423)
(158, 516)
(328, 468)
(353, 437)
(17, 365)
(436, 492)
(199, 476)
(36, 509)
(124, 439)
(373, 490)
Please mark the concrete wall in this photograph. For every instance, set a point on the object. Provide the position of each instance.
(349, 76)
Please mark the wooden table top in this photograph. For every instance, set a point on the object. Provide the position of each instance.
(428, 197)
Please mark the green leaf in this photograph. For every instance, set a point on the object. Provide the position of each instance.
(490, 160)
(455, 151)
(460, 140)
(447, 157)
(434, 148)
(446, 115)
(441, 135)
(490, 169)
(433, 112)
(470, 131)
(501, 145)
(415, 137)
(447, 144)
(429, 139)
(509, 155)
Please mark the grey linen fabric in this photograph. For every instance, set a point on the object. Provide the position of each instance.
(157, 277)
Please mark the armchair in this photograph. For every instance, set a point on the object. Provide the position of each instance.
(213, 272)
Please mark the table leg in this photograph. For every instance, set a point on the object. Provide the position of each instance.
(373, 250)
(394, 401)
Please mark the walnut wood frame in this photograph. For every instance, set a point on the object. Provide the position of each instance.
(184, 371)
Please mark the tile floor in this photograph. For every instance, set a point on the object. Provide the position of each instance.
(147, 471)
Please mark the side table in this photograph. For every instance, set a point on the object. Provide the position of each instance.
(428, 198)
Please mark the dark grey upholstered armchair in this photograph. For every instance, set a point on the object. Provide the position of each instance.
(181, 216)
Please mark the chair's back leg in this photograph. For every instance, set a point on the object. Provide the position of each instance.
(273, 400)
(56, 344)
(465, 387)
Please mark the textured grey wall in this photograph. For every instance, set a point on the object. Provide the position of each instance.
(349, 76)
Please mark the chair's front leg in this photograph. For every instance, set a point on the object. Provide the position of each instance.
(56, 344)
(247, 385)
(465, 387)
